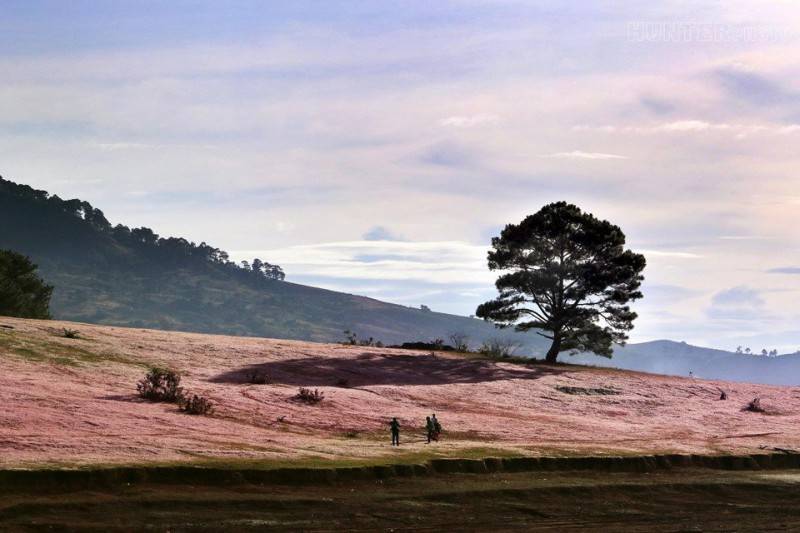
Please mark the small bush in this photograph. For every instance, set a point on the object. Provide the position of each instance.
(161, 385)
(197, 405)
(460, 341)
(754, 406)
(367, 342)
(310, 397)
(351, 339)
(498, 348)
(71, 333)
(257, 377)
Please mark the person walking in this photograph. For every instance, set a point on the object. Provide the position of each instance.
(429, 427)
(437, 427)
(395, 426)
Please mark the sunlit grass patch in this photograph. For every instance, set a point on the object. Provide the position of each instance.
(39, 351)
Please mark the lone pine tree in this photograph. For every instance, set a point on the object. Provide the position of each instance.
(567, 275)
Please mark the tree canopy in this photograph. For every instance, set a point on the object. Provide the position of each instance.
(568, 275)
(22, 292)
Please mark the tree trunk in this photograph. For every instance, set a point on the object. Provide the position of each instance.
(555, 348)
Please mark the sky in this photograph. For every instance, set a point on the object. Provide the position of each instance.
(376, 147)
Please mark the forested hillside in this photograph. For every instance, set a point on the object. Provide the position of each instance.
(116, 275)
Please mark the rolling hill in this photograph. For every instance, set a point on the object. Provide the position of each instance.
(73, 402)
(116, 275)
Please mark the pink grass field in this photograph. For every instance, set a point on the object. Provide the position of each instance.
(73, 402)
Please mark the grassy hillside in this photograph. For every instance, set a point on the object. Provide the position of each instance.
(73, 401)
(132, 277)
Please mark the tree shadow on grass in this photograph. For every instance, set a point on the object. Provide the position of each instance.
(382, 369)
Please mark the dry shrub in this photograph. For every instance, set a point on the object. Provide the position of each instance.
(460, 341)
(309, 396)
(161, 385)
(197, 405)
(351, 339)
(71, 333)
(498, 348)
(754, 406)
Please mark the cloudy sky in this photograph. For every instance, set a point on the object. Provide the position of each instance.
(376, 147)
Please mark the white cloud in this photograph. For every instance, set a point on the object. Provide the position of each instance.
(689, 125)
(461, 121)
(577, 154)
(677, 255)
(737, 304)
(446, 262)
(121, 146)
(381, 233)
(746, 238)
(693, 126)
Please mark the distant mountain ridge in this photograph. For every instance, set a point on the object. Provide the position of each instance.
(681, 359)
(116, 275)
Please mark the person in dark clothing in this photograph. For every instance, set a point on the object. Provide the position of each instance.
(437, 427)
(429, 428)
(395, 426)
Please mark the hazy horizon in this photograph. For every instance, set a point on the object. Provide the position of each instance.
(376, 149)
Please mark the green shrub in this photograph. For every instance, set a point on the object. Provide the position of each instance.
(161, 385)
